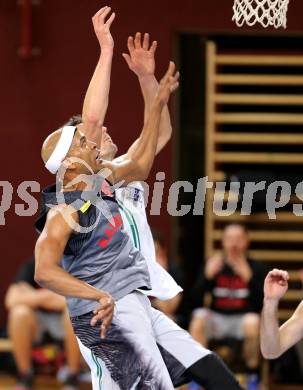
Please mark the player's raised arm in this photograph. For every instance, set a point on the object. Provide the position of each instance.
(96, 99)
(138, 164)
(141, 60)
(274, 340)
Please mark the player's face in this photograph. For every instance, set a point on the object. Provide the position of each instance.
(86, 152)
(108, 148)
(235, 240)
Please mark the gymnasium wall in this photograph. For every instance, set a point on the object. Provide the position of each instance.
(37, 95)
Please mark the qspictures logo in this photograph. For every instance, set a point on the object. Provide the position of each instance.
(228, 198)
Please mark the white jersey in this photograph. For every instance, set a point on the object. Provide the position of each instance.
(132, 209)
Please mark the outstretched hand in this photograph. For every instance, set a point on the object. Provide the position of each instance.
(102, 27)
(168, 84)
(141, 57)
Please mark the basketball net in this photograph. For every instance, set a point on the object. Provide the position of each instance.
(266, 12)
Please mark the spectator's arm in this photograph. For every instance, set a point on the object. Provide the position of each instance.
(48, 300)
(23, 294)
(17, 294)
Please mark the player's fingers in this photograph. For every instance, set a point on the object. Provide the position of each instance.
(277, 275)
(153, 47)
(275, 272)
(176, 77)
(171, 69)
(104, 14)
(105, 325)
(174, 87)
(127, 59)
(146, 41)
(282, 274)
(110, 20)
(102, 309)
(169, 73)
(99, 12)
(286, 275)
(101, 315)
(130, 44)
(104, 304)
(138, 40)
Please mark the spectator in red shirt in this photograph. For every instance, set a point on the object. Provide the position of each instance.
(235, 283)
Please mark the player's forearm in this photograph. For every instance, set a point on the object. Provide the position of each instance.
(48, 274)
(96, 99)
(270, 333)
(54, 278)
(149, 87)
(145, 152)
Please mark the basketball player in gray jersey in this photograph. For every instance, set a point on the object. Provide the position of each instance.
(100, 265)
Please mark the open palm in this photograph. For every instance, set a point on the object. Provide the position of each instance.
(141, 57)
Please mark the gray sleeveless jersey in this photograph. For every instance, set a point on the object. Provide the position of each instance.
(104, 257)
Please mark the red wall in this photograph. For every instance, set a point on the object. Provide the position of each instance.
(37, 95)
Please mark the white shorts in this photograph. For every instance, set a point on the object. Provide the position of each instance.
(143, 348)
(220, 326)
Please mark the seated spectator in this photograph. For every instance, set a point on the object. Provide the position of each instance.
(235, 284)
(34, 312)
(169, 307)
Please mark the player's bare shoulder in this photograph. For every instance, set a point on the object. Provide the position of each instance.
(62, 217)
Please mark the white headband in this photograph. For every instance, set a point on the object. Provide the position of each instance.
(61, 149)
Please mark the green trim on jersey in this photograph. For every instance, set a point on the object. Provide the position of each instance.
(132, 223)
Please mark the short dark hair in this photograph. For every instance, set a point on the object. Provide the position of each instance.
(158, 237)
(74, 120)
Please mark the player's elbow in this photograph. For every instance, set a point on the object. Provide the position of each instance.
(93, 118)
(41, 277)
(144, 167)
(269, 354)
(42, 274)
(143, 173)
